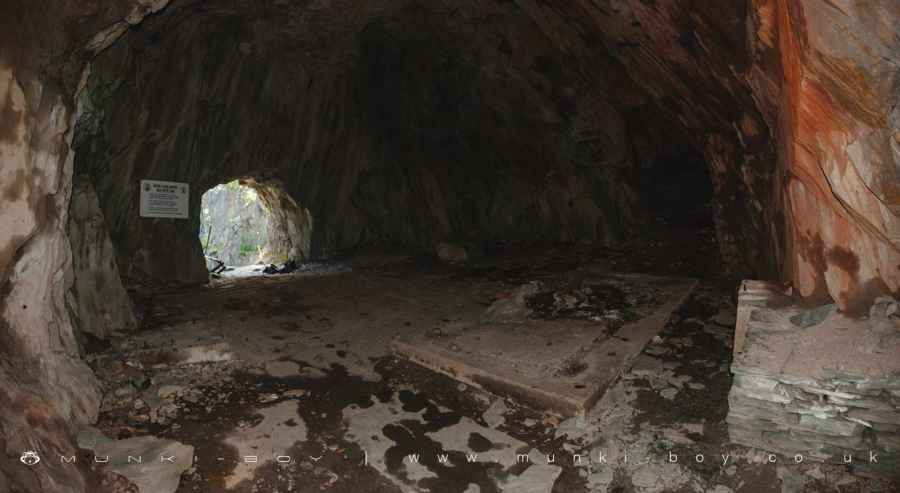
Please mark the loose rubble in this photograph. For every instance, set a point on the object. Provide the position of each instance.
(794, 396)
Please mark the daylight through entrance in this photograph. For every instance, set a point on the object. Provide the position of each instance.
(449, 246)
(234, 226)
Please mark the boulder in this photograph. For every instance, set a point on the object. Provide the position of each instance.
(154, 465)
(452, 253)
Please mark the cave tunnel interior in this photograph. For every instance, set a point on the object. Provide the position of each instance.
(445, 230)
(678, 189)
(400, 137)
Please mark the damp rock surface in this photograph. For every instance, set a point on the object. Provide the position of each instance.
(522, 122)
(156, 465)
(822, 389)
(348, 416)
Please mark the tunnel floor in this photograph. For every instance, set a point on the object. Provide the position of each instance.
(296, 370)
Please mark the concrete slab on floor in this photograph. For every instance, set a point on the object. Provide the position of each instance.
(561, 365)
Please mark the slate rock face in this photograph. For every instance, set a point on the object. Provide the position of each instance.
(823, 390)
(426, 124)
(98, 302)
(407, 126)
(799, 125)
(45, 388)
(512, 120)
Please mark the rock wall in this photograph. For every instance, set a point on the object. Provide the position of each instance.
(795, 105)
(408, 124)
(45, 388)
(290, 226)
(840, 148)
(98, 302)
(416, 122)
(690, 61)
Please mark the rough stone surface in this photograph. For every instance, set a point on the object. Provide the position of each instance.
(822, 390)
(387, 142)
(793, 91)
(157, 463)
(511, 307)
(839, 145)
(793, 103)
(46, 388)
(100, 305)
(798, 127)
(449, 252)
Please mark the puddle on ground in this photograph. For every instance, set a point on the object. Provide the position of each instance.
(214, 418)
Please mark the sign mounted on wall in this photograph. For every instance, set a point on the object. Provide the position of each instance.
(164, 199)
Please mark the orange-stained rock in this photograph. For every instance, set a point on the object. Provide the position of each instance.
(795, 104)
(838, 148)
(817, 81)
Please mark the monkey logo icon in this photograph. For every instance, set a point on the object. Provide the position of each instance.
(30, 458)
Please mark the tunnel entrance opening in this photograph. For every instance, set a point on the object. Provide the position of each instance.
(419, 124)
(250, 227)
(678, 189)
(234, 226)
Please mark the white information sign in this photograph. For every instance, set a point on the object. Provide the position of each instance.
(164, 199)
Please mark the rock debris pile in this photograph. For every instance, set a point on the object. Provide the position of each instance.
(820, 384)
(609, 300)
